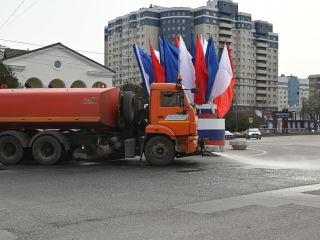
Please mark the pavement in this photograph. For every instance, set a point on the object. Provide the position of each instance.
(269, 191)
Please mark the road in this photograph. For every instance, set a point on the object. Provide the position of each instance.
(269, 191)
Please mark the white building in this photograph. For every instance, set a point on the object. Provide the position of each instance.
(57, 66)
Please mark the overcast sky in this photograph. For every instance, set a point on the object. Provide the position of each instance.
(79, 24)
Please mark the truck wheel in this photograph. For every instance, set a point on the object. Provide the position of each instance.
(47, 150)
(128, 106)
(11, 151)
(159, 151)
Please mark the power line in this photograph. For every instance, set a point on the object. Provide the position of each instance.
(45, 45)
(19, 15)
(12, 14)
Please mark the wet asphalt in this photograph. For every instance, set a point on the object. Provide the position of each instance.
(128, 199)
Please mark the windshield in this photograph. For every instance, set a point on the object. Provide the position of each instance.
(253, 130)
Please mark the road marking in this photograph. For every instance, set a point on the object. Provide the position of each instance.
(264, 152)
(275, 198)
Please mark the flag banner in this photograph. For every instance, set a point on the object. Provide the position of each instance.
(145, 66)
(193, 49)
(212, 66)
(223, 77)
(161, 51)
(204, 45)
(176, 38)
(158, 71)
(171, 54)
(224, 101)
(201, 74)
(186, 68)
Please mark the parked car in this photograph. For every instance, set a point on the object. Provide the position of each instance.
(253, 133)
(244, 134)
(238, 134)
(228, 134)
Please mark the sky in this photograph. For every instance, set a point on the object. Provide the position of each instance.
(79, 25)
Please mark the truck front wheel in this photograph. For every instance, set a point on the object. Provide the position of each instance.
(11, 151)
(159, 151)
(47, 150)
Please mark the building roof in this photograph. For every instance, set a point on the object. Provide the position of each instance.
(8, 52)
(19, 53)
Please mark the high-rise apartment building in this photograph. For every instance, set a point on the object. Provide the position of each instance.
(292, 91)
(314, 81)
(253, 44)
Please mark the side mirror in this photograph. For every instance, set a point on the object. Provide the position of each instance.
(194, 90)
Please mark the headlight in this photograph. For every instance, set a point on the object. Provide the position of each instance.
(194, 142)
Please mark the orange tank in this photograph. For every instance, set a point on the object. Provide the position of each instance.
(67, 108)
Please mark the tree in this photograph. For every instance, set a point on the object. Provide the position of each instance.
(311, 107)
(243, 120)
(139, 91)
(8, 77)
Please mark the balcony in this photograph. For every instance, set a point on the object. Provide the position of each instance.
(226, 25)
(222, 39)
(261, 98)
(262, 51)
(262, 65)
(261, 58)
(260, 44)
(261, 91)
(225, 19)
(262, 78)
(261, 71)
(225, 32)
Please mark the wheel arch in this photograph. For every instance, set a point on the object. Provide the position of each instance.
(21, 136)
(58, 135)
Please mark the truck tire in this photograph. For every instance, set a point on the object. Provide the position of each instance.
(47, 150)
(11, 151)
(128, 106)
(159, 151)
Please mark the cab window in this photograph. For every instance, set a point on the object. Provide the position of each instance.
(168, 99)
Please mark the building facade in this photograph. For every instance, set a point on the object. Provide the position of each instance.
(292, 91)
(253, 44)
(314, 81)
(56, 66)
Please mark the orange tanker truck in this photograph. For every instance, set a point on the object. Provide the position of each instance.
(97, 123)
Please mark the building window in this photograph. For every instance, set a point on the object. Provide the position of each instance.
(207, 27)
(207, 20)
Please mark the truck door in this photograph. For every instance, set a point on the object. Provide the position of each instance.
(172, 115)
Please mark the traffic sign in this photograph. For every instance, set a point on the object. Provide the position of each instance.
(250, 120)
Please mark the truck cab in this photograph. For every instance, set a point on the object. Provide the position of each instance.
(171, 116)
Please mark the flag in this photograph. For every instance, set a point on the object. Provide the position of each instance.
(223, 77)
(212, 66)
(204, 45)
(158, 71)
(193, 49)
(177, 41)
(224, 101)
(186, 69)
(161, 51)
(171, 54)
(145, 66)
(201, 74)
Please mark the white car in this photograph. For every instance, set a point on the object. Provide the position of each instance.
(253, 133)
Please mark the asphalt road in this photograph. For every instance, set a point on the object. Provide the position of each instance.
(269, 191)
